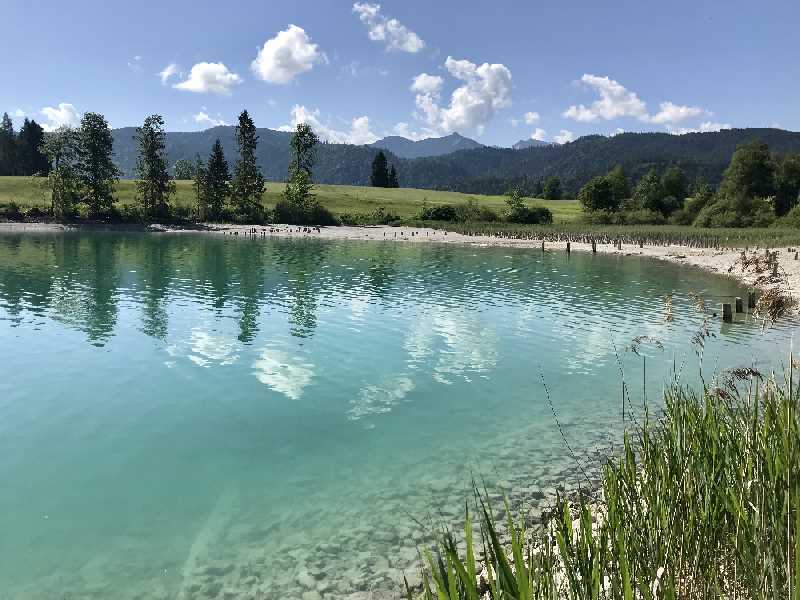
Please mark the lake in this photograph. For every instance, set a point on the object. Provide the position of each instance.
(192, 415)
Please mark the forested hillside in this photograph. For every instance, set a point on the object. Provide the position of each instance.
(486, 170)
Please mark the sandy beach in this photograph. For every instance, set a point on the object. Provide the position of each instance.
(725, 262)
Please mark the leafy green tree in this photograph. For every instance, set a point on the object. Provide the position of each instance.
(248, 183)
(787, 184)
(217, 182)
(394, 182)
(648, 193)
(751, 172)
(154, 186)
(619, 183)
(97, 172)
(183, 169)
(519, 212)
(380, 171)
(61, 148)
(8, 143)
(298, 192)
(673, 183)
(31, 159)
(598, 194)
(552, 188)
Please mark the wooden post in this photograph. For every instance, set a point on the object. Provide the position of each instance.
(594, 247)
(739, 308)
(542, 246)
(751, 300)
(567, 247)
(727, 314)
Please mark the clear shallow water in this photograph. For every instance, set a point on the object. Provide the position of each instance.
(185, 416)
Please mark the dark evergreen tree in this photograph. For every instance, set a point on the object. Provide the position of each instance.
(8, 144)
(393, 181)
(380, 171)
(154, 187)
(248, 183)
(97, 172)
(31, 158)
(787, 184)
(674, 183)
(552, 188)
(217, 182)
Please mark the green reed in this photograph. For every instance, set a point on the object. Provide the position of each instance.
(701, 503)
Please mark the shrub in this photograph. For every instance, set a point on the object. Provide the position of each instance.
(531, 215)
(736, 211)
(598, 194)
(443, 212)
(292, 214)
(12, 212)
(471, 210)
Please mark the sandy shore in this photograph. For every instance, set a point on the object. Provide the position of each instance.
(725, 262)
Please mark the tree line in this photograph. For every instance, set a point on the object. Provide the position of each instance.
(21, 153)
(76, 166)
(758, 188)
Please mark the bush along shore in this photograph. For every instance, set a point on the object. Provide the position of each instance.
(702, 502)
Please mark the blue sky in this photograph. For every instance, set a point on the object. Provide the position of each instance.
(495, 71)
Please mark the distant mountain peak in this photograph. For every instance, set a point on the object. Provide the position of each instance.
(433, 146)
(530, 143)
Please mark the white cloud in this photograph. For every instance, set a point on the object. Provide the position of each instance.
(383, 29)
(427, 84)
(286, 56)
(203, 118)
(486, 89)
(674, 113)
(284, 373)
(539, 134)
(531, 118)
(704, 127)
(65, 115)
(514, 122)
(171, 70)
(207, 78)
(359, 132)
(564, 137)
(615, 101)
(18, 114)
(404, 130)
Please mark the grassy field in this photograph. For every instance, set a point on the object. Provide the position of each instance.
(405, 203)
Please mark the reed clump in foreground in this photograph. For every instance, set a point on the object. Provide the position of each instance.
(701, 503)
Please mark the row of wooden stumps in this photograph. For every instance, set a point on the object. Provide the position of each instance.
(728, 308)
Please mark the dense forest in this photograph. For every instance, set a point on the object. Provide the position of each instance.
(486, 170)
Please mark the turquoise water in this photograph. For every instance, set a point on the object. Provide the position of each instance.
(190, 416)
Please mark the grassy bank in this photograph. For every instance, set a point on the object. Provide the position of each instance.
(705, 507)
(403, 202)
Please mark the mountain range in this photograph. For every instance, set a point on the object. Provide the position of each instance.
(476, 168)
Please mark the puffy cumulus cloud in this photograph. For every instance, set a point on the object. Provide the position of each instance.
(539, 134)
(486, 88)
(704, 127)
(564, 137)
(531, 118)
(63, 115)
(674, 113)
(205, 78)
(427, 84)
(285, 373)
(359, 133)
(392, 32)
(287, 55)
(18, 114)
(404, 129)
(168, 72)
(615, 101)
(204, 119)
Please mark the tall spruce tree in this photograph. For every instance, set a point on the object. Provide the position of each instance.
(8, 143)
(154, 186)
(299, 188)
(32, 161)
(97, 172)
(393, 181)
(217, 178)
(248, 183)
(380, 171)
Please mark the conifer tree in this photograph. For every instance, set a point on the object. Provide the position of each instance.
(217, 178)
(299, 187)
(8, 142)
(380, 172)
(393, 181)
(154, 187)
(32, 160)
(248, 183)
(97, 172)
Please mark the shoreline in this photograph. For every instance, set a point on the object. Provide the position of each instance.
(722, 262)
